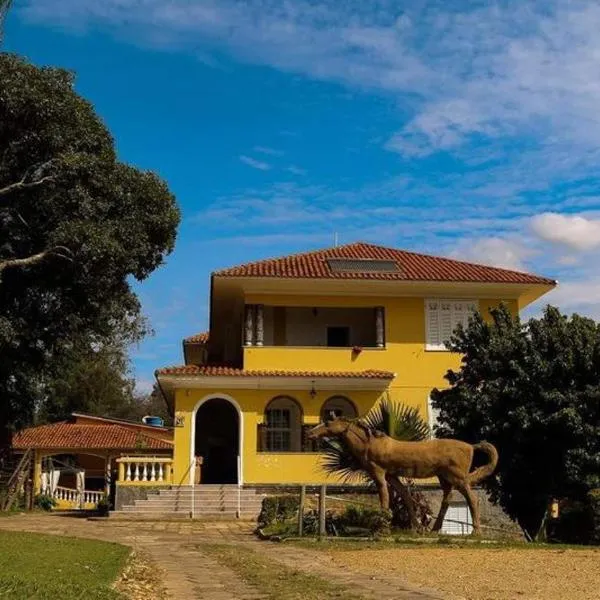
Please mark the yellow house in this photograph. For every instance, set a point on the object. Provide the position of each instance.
(294, 338)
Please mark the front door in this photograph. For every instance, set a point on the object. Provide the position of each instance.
(217, 441)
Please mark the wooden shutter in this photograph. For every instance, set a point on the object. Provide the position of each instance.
(432, 325)
(446, 322)
(261, 437)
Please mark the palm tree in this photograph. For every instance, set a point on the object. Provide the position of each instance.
(397, 420)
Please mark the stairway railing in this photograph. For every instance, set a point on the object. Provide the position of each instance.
(16, 480)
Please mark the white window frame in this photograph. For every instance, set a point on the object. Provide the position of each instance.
(432, 416)
(278, 429)
(460, 311)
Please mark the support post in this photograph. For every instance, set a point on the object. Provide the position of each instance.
(249, 325)
(107, 475)
(322, 530)
(301, 510)
(379, 327)
(260, 324)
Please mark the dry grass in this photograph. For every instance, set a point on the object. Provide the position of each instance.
(509, 573)
(141, 579)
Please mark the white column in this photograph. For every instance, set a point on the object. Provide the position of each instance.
(379, 327)
(260, 324)
(249, 325)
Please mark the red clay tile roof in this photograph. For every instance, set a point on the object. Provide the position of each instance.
(410, 267)
(224, 371)
(198, 338)
(71, 436)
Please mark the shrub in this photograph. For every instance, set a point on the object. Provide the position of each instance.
(278, 509)
(103, 506)
(594, 512)
(45, 501)
(375, 520)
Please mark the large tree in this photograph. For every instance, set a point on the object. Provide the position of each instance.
(76, 225)
(533, 390)
(97, 380)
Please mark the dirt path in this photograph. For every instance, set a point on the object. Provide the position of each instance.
(486, 573)
(190, 573)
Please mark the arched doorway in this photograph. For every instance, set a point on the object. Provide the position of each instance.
(218, 440)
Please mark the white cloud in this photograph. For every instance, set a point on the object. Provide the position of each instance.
(255, 164)
(295, 170)
(144, 386)
(582, 296)
(464, 71)
(268, 151)
(498, 252)
(573, 231)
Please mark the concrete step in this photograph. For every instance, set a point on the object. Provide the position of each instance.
(180, 516)
(219, 505)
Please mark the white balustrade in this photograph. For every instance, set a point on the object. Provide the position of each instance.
(78, 499)
(142, 470)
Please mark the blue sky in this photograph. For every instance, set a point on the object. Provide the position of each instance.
(469, 129)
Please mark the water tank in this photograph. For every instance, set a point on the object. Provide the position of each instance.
(152, 421)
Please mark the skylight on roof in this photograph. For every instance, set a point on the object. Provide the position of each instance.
(362, 265)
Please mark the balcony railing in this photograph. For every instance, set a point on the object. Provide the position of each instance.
(145, 470)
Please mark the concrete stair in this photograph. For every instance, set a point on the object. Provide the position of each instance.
(205, 501)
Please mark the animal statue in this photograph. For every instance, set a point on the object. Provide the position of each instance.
(386, 459)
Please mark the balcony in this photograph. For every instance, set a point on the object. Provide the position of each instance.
(316, 338)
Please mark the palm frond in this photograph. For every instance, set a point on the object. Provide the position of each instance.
(339, 461)
(397, 420)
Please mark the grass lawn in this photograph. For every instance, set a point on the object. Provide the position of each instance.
(45, 567)
(275, 581)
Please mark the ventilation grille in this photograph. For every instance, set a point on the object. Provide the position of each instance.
(357, 265)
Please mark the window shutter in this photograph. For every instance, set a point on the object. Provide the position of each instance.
(446, 322)
(261, 437)
(432, 324)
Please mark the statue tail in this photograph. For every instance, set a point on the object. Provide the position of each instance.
(485, 470)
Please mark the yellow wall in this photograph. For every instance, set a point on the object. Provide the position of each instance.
(417, 372)
(261, 467)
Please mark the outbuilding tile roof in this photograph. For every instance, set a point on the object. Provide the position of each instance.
(198, 338)
(72, 436)
(410, 267)
(226, 371)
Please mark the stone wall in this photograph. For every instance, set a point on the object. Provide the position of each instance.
(128, 494)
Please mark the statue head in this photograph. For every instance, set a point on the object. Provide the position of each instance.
(332, 427)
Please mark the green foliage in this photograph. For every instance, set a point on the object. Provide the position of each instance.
(533, 390)
(593, 498)
(103, 506)
(391, 418)
(45, 502)
(277, 509)
(45, 567)
(76, 227)
(375, 520)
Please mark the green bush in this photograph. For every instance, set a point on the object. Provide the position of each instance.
(593, 498)
(103, 506)
(45, 502)
(578, 521)
(276, 509)
(375, 520)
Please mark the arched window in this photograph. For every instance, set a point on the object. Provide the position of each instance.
(283, 425)
(340, 406)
